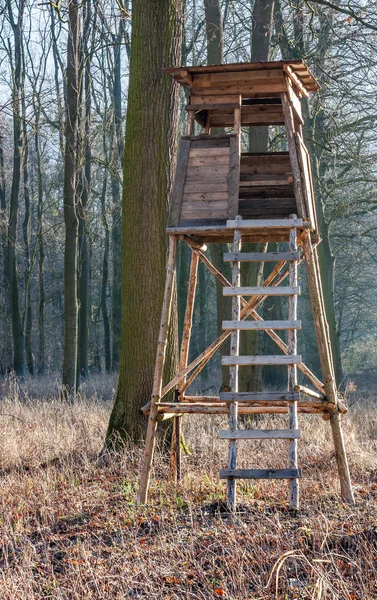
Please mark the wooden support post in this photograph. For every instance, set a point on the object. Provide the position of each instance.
(292, 373)
(175, 455)
(190, 122)
(158, 371)
(234, 351)
(324, 348)
(297, 183)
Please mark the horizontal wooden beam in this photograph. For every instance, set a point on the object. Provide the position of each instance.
(258, 396)
(261, 360)
(260, 256)
(258, 290)
(260, 473)
(261, 325)
(265, 223)
(261, 434)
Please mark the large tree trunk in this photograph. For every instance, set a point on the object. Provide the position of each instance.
(250, 378)
(41, 252)
(116, 231)
(83, 198)
(14, 295)
(150, 146)
(215, 56)
(70, 207)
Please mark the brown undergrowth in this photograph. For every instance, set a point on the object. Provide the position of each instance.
(70, 529)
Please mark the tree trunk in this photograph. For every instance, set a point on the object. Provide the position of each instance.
(41, 284)
(250, 378)
(215, 56)
(150, 145)
(83, 198)
(116, 231)
(14, 296)
(70, 207)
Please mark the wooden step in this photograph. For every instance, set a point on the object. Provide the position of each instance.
(261, 325)
(262, 291)
(264, 223)
(261, 360)
(259, 396)
(260, 434)
(260, 256)
(261, 473)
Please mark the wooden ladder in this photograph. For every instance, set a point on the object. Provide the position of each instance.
(234, 361)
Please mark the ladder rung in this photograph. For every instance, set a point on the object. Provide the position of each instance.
(261, 434)
(261, 325)
(261, 473)
(259, 396)
(289, 359)
(261, 290)
(261, 256)
(264, 223)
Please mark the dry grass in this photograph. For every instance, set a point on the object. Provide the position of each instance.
(70, 529)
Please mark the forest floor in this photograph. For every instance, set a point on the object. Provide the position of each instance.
(70, 529)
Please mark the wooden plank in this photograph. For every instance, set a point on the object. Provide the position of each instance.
(311, 187)
(208, 161)
(179, 181)
(213, 138)
(205, 172)
(234, 176)
(200, 187)
(259, 289)
(199, 152)
(243, 87)
(266, 223)
(261, 256)
(289, 127)
(216, 78)
(261, 325)
(294, 102)
(260, 434)
(265, 183)
(259, 396)
(306, 178)
(223, 106)
(296, 80)
(208, 180)
(261, 360)
(260, 473)
(198, 206)
(204, 196)
(206, 99)
(206, 214)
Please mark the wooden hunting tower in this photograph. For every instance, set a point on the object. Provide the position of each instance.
(224, 195)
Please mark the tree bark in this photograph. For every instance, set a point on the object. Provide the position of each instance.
(215, 56)
(250, 378)
(150, 147)
(14, 295)
(83, 199)
(70, 207)
(116, 231)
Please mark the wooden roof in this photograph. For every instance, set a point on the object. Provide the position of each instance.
(186, 75)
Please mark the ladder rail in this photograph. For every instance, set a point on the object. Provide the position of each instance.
(292, 373)
(234, 351)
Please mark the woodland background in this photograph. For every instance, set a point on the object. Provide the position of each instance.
(89, 127)
(339, 45)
